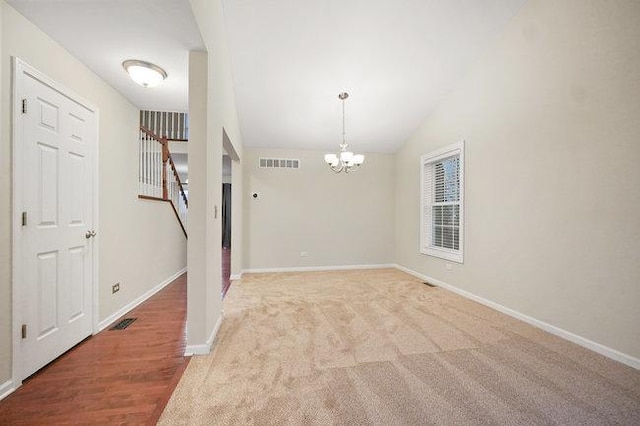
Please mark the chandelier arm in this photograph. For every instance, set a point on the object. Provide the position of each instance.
(338, 168)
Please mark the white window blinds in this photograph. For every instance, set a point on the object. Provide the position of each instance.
(442, 203)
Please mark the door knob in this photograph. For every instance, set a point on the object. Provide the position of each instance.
(90, 234)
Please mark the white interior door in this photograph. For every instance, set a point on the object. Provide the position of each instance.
(57, 141)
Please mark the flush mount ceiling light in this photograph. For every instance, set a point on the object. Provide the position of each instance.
(144, 73)
(345, 160)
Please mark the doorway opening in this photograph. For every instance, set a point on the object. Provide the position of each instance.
(226, 223)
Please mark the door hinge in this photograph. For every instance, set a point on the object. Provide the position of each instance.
(24, 218)
(24, 331)
(24, 106)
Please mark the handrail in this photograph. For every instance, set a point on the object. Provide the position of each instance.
(151, 134)
(178, 181)
(155, 183)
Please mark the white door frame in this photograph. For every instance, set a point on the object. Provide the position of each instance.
(19, 67)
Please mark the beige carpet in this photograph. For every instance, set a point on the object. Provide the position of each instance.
(379, 347)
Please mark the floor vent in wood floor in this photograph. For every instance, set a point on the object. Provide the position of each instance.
(122, 324)
(429, 284)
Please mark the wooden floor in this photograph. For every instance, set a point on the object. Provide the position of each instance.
(115, 377)
(226, 270)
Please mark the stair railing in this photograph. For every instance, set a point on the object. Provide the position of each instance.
(175, 191)
(158, 178)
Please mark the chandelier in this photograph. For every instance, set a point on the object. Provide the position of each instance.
(345, 160)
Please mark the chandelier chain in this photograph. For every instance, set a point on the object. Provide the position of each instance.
(344, 140)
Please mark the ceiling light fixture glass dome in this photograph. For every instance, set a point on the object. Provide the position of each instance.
(144, 73)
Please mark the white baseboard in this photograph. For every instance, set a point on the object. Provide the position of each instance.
(317, 268)
(6, 389)
(122, 311)
(205, 348)
(582, 341)
(235, 277)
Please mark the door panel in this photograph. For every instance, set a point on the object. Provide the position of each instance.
(47, 163)
(47, 288)
(77, 199)
(75, 293)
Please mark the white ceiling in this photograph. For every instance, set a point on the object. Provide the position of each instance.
(396, 58)
(104, 33)
(291, 58)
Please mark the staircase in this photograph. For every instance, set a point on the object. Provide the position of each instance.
(158, 178)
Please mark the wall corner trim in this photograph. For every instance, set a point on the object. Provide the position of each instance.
(567, 335)
(318, 268)
(122, 311)
(6, 389)
(205, 348)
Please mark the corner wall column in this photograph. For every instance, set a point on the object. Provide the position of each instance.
(197, 333)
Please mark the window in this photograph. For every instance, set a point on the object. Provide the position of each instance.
(442, 203)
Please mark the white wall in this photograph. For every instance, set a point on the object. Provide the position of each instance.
(337, 219)
(140, 243)
(551, 116)
(5, 233)
(196, 290)
(205, 306)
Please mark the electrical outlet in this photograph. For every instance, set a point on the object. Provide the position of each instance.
(448, 267)
(304, 254)
(115, 288)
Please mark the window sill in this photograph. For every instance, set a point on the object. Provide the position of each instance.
(452, 255)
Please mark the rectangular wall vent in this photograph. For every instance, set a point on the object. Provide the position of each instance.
(279, 163)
